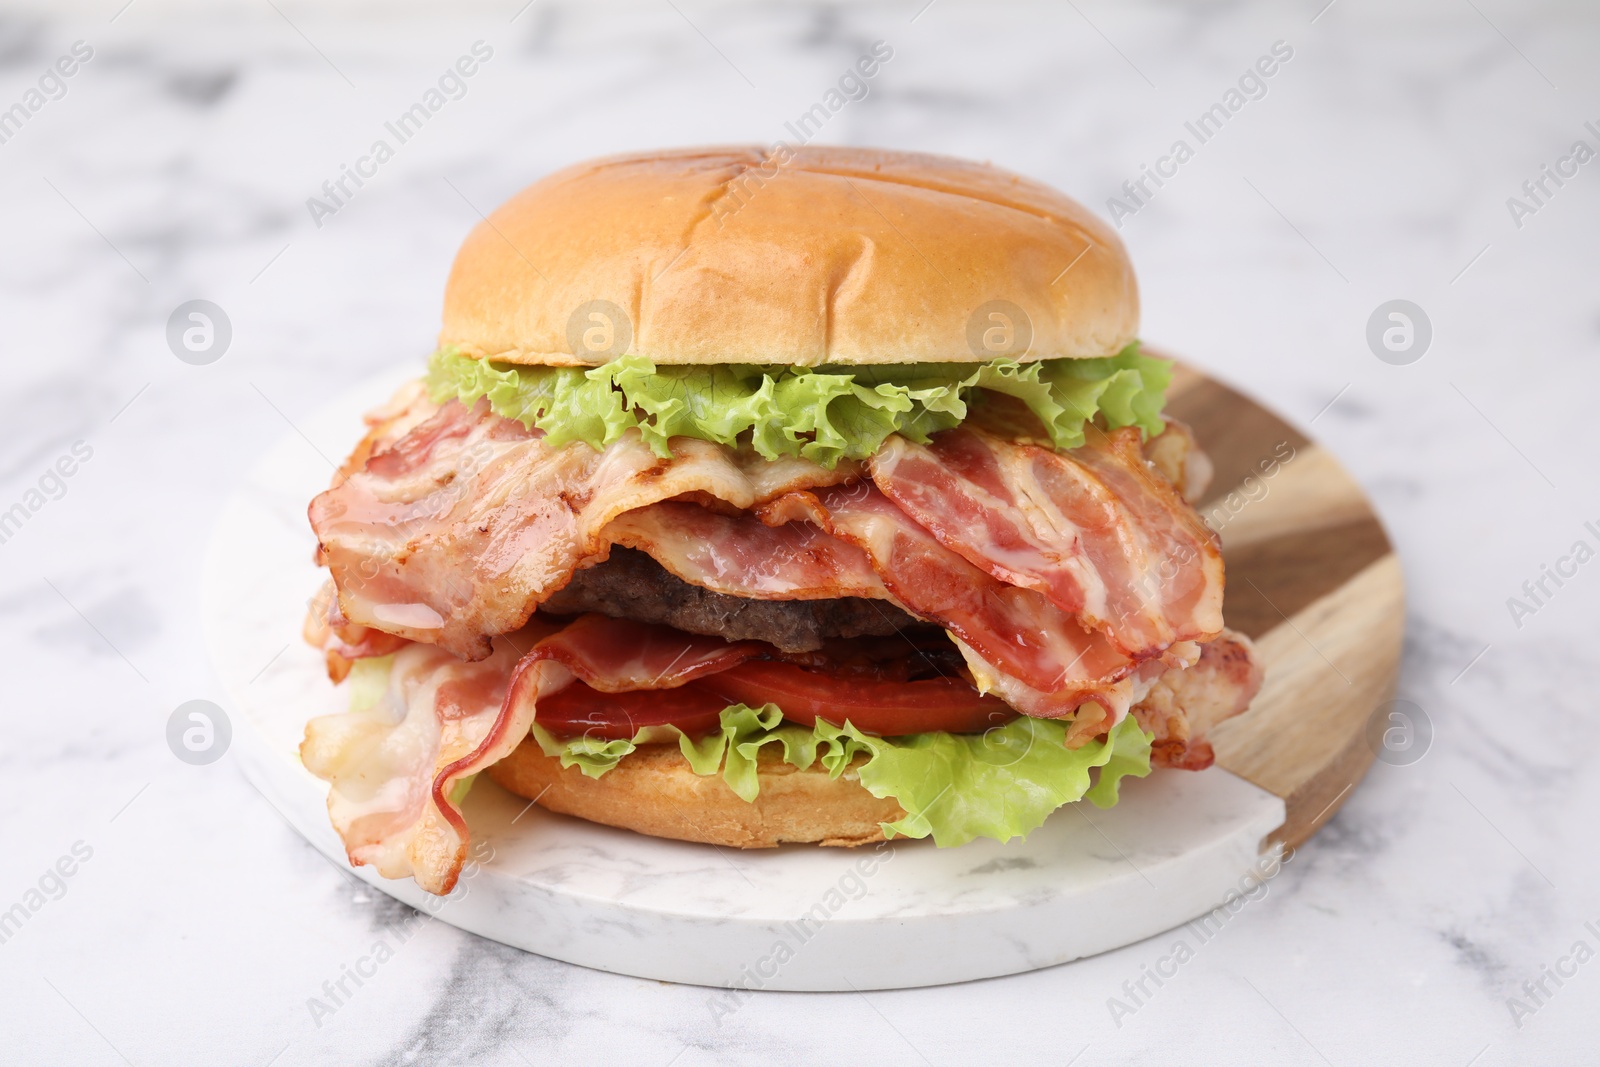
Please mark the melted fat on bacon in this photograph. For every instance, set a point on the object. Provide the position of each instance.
(341, 642)
(457, 531)
(1094, 530)
(393, 767)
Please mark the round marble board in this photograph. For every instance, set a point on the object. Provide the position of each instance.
(1311, 578)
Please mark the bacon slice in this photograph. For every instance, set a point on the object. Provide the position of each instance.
(1182, 557)
(457, 531)
(388, 423)
(741, 556)
(1093, 530)
(1176, 455)
(1093, 712)
(382, 762)
(1009, 631)
(342, 643)
(1182, 706)
(621, 656)
(394, 766)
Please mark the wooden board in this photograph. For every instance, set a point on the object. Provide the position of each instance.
(1313, 580)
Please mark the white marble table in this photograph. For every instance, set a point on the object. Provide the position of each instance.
(195, 926)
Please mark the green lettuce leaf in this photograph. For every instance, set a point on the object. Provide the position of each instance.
(593, 756)
(823, 414)
(369, 678)
(999, 784)
(460, 789)
(1130, 758)
(955, 787)
(734, 749)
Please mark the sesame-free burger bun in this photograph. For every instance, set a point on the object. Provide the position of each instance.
(788, 256)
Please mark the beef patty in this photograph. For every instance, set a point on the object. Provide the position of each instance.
(631, 585)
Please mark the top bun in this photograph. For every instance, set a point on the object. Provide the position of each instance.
(796, 256)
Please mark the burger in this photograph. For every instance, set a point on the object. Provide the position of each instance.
(814, 495)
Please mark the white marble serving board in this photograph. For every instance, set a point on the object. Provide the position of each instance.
(1085, 882)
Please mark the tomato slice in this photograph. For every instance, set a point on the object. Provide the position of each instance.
(579, 710)
(886, 708)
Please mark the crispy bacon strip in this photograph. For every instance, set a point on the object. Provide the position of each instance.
(1093, 712)
(1008, 631)
(342, 643)
(458, 530)
(393, 767)
(1182, 706)
(388, 423)
(1183, 580)
(382, 762)
(621, 656)
(1093, 530)
(741, 556)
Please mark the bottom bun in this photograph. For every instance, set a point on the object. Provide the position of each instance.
(653, 791)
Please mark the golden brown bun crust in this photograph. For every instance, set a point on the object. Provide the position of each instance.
(798, 256)
(654, 792)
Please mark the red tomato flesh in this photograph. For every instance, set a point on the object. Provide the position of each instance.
(886, 708)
